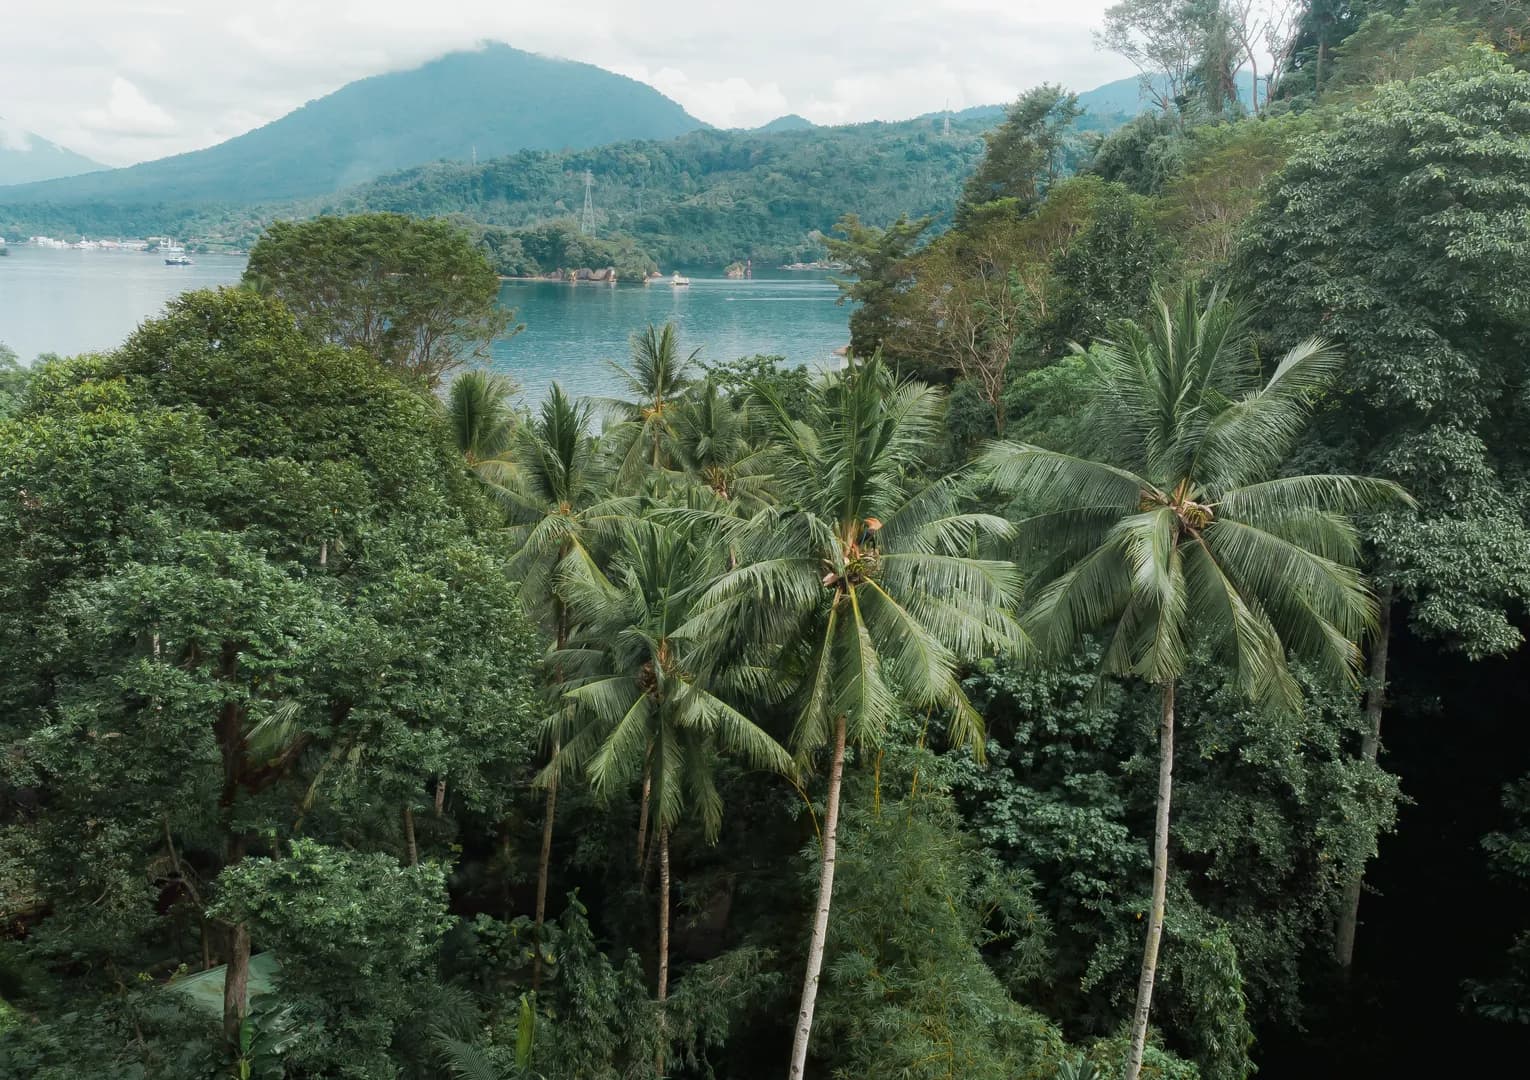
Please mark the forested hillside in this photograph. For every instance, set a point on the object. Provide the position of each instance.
(490, 101)
(706, 198)
(1115, 670)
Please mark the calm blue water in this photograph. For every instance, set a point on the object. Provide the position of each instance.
(571, 330)
(84, 301)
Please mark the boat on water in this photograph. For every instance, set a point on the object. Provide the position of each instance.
(679, 279)
(175, 255)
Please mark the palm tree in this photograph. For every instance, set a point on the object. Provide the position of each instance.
(558, 501)
(654, 383)
(1175, 531)
(712, 447)
(864, 584)
(644, 702)
(482, 419)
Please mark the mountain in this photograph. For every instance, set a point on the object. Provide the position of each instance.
(706, 198)
(1124, 97)
(491, 101)
(789, 122)
(25, 157)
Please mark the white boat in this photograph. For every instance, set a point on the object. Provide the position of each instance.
(679, 279)
(175, 255)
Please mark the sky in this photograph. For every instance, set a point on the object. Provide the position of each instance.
(123, 81)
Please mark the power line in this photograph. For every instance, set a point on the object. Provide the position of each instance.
(587, 221)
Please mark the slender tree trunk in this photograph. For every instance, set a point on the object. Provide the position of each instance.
(1160, 885)
(549, 815)
(411, 849)
(663, 941)
(642, 841)
(440, 795)
(1317, 76)
(236, 981)
(821, 915)
(543, 864)
(1370, 746)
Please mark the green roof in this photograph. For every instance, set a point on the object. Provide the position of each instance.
(206, 987)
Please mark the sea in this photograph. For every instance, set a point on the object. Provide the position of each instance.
(70, 301)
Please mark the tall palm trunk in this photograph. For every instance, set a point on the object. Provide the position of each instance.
(642, 839)
(663, 940)
(1160, 885)
(549, 814)
(1370, 746)
(821, 915)
(543, 863)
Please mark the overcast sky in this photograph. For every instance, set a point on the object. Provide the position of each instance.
(129, 80)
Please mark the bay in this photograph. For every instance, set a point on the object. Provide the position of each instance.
(73, 301)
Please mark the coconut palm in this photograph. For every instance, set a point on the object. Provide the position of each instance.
(864, 582)
(712, 448)
(1176, 533)
(558, 500)
(482, 419)
(644, 702)
(653, 381)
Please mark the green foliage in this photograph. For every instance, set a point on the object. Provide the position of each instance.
(1026, 153)
(1108, 267)
(909, 990)
(1141, 155)
(1273, 813)
(483, 420)
(557, 248)
(255, 562)
(353, 931)
(416, 295)
(879, 263)
(1176, 530)
(862, 586)
(1398, 46)
(1405, 233)
(13, 381)
(643, 702)
(1506, 997)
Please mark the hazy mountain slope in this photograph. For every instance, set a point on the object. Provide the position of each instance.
(25, 157)
(495, 99)
(789, 122)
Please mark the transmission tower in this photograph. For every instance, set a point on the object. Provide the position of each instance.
(587, 221)
(946, 129)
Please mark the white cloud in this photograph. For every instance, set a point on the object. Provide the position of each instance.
(13, 136)
(128, 113)
(176, 75)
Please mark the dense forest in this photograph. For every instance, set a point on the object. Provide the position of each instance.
(711, 197)
(1114, 669)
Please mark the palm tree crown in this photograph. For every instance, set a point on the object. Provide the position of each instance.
(644, 700)
(654, 381)
(867, 569)
(482, 419)
(559, 497)
(1176, 528)
(712, 448)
